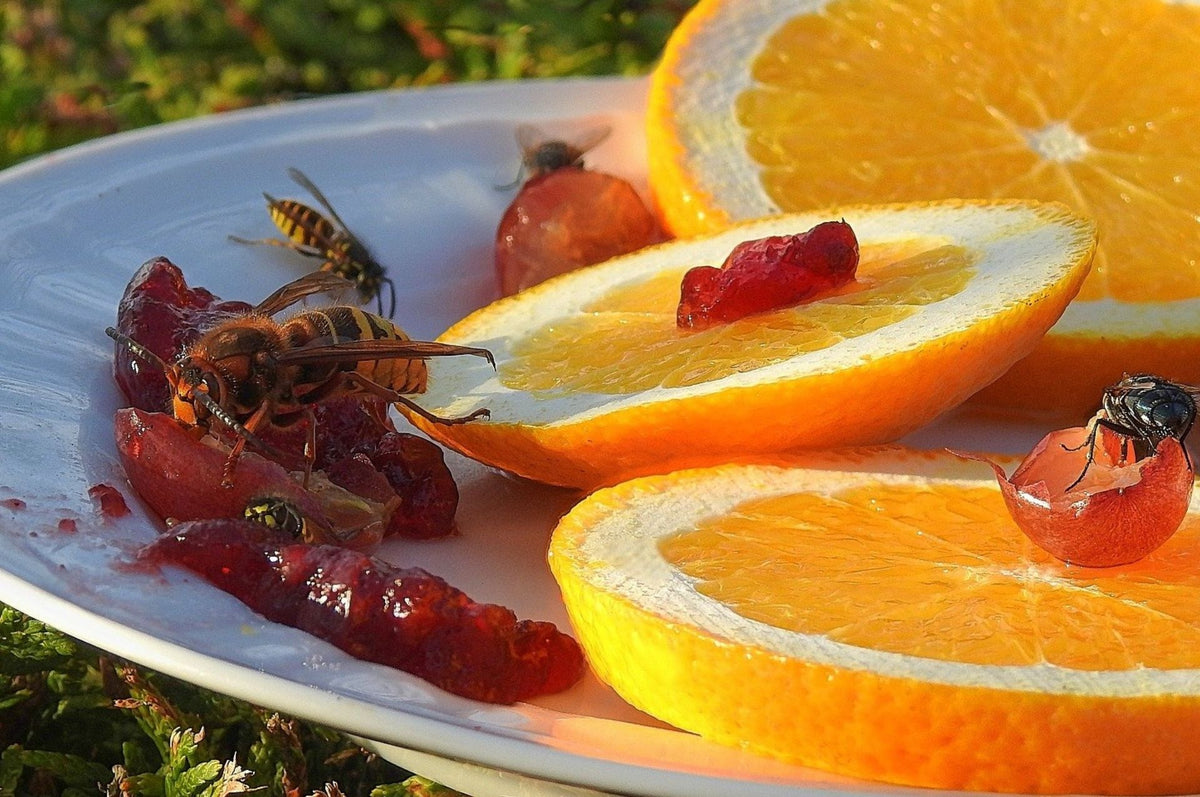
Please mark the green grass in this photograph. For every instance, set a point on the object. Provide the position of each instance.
(75, 69)
(73, 720)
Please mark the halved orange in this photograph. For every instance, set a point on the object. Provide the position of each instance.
(760, 107)
(594, 383)
(882, 617)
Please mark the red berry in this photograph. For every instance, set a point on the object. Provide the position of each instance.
(565, 219)
(1102, 513)
(769, 274)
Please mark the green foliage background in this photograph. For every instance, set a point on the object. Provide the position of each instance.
(74, 721)
(74, 69)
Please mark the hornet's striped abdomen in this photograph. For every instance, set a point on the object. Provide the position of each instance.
(341, 324)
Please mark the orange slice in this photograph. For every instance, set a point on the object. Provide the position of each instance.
(594, 382)
(760, 107)
(884, 618)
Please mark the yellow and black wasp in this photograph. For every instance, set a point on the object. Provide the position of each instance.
(278, 513)
(314, 235)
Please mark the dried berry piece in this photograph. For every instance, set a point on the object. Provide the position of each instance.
(768, 274)
(162, 313)
(112, 503)
(1108, 512)
(565, 219)
(349, 599)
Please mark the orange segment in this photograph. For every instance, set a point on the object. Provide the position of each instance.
(761, 107)
(887, 625)
(593, 381)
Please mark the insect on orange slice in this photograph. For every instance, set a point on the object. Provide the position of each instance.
(594, 382)
(884, 618)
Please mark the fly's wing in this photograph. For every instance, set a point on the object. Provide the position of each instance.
(308, 285)
(354, 351)
(590, 138)
(529, 138)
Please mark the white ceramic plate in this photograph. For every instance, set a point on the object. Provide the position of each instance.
(414, 173)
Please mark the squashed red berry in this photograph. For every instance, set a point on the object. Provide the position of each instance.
(401, 617)
(768, 274)
(409, 486)
(162, 313)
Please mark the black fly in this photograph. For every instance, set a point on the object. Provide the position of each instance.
(1145, 410)
(541, 154)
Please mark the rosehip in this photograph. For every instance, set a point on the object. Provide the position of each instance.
(1116, 513)
(565, 219)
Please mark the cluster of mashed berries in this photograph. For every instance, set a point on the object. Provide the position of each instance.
(369, 481)
(358, 448)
